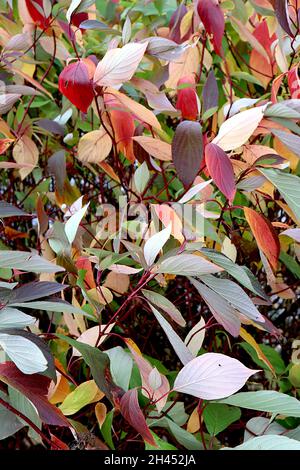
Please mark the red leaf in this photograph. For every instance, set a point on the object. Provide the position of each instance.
(220, 169)
(37, 13)
(187, 100)
(74, 82)
(261, 67)
(78, 18)
(4, 144)
(35, 388)
(294, 82)
(130, 409)
(123, 126)
(265, 235)
(212, 18)
(187, 151)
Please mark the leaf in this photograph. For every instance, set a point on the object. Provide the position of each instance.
(220, 169)
(288, 185)
(36, 290)
(74, 83)
(99, 26)
(123, 128)
(282, 15)
(267, 401)
(164, 48)
(212, 376)
(8, 210)
(120, 366)
(100, 412)
(10, 423)
(187, 265)
(195, 337)
(51, 306)
(119, 65)
(223, 312)
(291, 141)
(187, 150)
(179, 347)
(155, 390)
(83, 395)
(186, 64)
(268, 443)
(91, 335)
(212, 17)
(27, 261)
(139, 111)
(218, 417)
(193, 191)
(155, 147)
(210, 93)
(236, 130)
(265, 235)
(241, 273)
(293, 233)
(264, 356)
(94, 146)
(155, 243)
(130, 409)
(35, 388)
(51, 126)
(187, 99)
(141, 177)
(234, 295)
(162, 302)
(72, 224)
(98, 362)
(14, 318)
(26, 151)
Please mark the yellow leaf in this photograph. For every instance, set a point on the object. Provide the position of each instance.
(186, 64)
(100, 412)
(250, 340)
(138, 110)
(193, 424)
(86, 393)
(155, 147)
(94, 146)
(25, 152)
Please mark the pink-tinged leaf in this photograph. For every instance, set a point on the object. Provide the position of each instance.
(223, 312)
(35, 388)
(187, 150)
(210, 93)
(292, 233)
(175, 23)
(294, 82)
(265, 235)
(213, 20)
(187, 99)
(146, 369)
(212, 376)
(130, 409)
(220, 169)
(282, 15)
(262, 68)
(119, 65)
(40, 16)
(74, 82)
(155, 243)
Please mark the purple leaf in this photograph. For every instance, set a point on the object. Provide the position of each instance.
(212, 376)
(130, 409)
(187, 150)
(282, 15)
(220, 169)
(210, 94)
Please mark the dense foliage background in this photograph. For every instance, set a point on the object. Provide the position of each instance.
(149, 207)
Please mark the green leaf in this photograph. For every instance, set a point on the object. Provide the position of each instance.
(267, 401)
(271, 354)
(99, 364)
(50, 306)
(26, 261)
(141, 177)
(288, 185)
(106, 429)
(218, 417)
(160, 444)
(290, 263)
(85, 393)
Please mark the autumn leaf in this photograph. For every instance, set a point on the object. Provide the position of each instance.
(264, 234)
